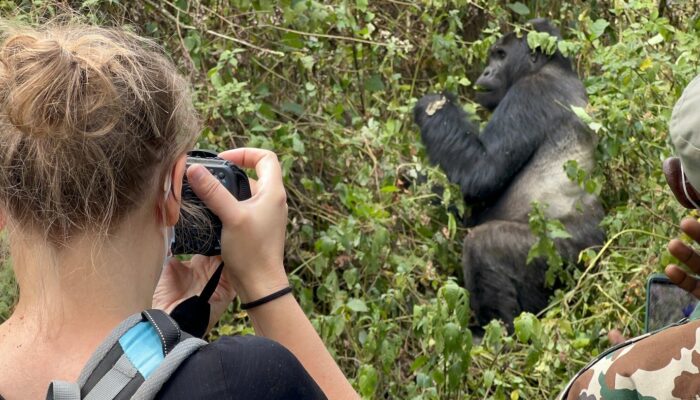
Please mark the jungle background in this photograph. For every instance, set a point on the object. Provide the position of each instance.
(373, 255)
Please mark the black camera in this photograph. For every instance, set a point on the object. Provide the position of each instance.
(198, 231)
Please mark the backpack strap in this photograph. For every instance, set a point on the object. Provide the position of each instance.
(171, 362)
(137, 357)
(61, 390)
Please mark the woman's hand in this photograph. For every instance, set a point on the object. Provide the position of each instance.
(253, 234)
(687, 256)
(181, 280)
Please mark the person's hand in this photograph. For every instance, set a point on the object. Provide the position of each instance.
(253, 233)
(686, 255)
(616, 337)
(181, 280)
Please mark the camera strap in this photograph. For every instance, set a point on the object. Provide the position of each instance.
(192, 315)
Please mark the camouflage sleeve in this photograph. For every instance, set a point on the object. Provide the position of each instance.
(662, 365)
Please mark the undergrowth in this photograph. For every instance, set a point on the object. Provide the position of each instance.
(373, 255)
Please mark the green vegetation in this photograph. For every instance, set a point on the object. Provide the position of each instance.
(329, 86)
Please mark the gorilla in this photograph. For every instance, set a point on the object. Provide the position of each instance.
(517, 159)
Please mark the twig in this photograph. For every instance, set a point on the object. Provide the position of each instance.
(420, 60)
(615, 302)
(607, 245)
(242, 42)
(359, 80)
(185, 51)
(403, 3)
(324, 35)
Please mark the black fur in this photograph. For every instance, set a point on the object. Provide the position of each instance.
(517, 159)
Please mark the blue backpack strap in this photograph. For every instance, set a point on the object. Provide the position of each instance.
(142, 345)
(172, 361)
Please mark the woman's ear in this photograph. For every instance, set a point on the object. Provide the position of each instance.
(173, 201)
(679, 185)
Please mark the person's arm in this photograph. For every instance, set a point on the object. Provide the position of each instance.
(252, 240)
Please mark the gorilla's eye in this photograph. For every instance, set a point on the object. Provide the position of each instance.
(499, 54)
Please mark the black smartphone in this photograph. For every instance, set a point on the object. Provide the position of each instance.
(666, 303)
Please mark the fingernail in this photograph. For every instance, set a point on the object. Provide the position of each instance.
(197, 173)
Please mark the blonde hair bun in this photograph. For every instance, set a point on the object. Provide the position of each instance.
(87, 115)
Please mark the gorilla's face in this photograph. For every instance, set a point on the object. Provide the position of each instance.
(509, 60)
(492, 85)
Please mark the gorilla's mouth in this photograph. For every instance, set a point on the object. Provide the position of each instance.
(482, 89)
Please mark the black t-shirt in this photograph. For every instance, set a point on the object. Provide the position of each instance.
(241, 367)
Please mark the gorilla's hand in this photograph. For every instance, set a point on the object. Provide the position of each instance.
(687, 256)
(427, 106)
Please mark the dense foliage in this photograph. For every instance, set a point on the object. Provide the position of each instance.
(373, 257)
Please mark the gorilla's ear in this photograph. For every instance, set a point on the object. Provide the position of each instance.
(535, 56)
(543, 25)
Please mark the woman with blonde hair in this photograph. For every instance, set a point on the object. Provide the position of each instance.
(95, 124)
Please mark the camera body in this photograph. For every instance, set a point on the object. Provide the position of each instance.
(200, 232)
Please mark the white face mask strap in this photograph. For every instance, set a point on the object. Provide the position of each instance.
(685, 189)
(167, 184)
(169, 230)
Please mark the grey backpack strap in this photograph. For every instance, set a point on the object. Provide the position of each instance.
(122, 367)
(112, 384)
(172, 361)
(101, 362)
(105, 355)
(62, 390)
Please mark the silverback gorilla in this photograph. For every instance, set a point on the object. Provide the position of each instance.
(517, 159)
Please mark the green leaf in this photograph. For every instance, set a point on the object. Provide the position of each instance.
(656, 39)
(451, 293)
(419, 362)
(558, 231)
(293, 107)
(519, 8)
(357, 305)
(582, 114)
(452, 334)
(294, 40)
(489, 376)
(368, 380)
(580, 342)
(542, 41)
(525, 326)
(190, 42)
(598, 28)
(374, 83)
(533, 355)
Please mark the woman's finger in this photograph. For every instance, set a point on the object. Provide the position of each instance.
(264, 162)
(216, 197)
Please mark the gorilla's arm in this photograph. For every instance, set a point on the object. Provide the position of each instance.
(482, 165)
